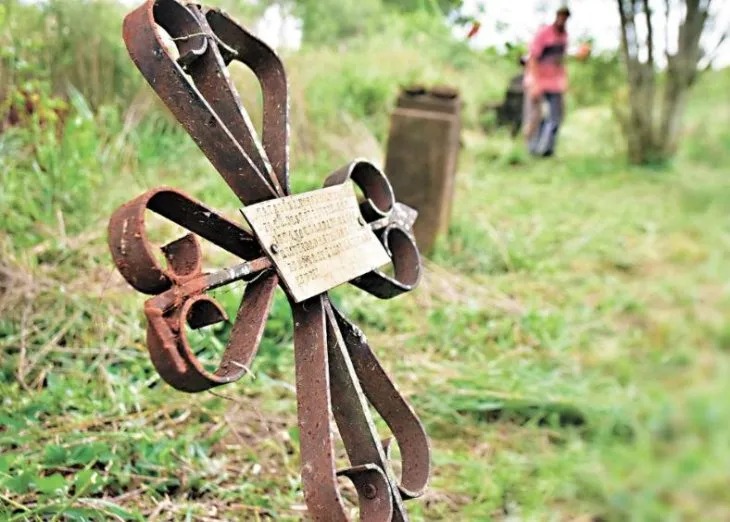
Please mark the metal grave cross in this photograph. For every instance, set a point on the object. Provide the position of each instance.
(308, 243)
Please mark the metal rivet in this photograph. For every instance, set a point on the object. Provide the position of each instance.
(274, 248)
(370, 491)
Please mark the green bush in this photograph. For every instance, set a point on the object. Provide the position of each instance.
(68, 44)
(332, 21)
(594, 81)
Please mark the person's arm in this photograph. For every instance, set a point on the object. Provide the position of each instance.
(583, 52)
(530, 72)
(536, 47)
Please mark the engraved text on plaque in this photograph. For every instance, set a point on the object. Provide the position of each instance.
(316, 240)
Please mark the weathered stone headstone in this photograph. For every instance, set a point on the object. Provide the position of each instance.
(423, 147)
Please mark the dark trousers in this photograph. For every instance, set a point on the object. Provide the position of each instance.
(543, 138)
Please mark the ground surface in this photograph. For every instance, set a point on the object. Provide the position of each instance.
(568, 351)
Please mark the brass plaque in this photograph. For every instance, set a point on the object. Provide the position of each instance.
(316, 240)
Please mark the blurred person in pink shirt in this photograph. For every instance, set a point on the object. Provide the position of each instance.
(546, 81)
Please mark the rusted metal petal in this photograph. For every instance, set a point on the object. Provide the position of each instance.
(183, 257)
(269, 70)
(185, 101)
(210, 76)
(357, 429)
(406, 266)
(167, 340)
(313, 407)
(204, 311)
(379, 198)
(133, 253)
(392, 407)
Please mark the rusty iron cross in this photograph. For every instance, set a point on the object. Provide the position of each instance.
(307, 243)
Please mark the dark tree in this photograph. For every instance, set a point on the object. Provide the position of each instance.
(652, 121)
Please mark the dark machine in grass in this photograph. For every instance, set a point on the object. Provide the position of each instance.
(306, 243)
(508, 112)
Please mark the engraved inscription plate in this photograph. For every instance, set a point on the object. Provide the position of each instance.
(316, 240)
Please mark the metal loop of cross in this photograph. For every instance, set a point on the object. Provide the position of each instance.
(337, 374)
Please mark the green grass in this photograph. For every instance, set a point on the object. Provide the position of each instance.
(568, 349)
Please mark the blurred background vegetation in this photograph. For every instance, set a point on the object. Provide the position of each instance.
(568, 349)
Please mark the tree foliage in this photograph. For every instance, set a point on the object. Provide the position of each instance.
(443, 6)
(331, 21)
(652, 120)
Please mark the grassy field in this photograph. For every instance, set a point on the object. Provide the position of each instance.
(568, 349)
